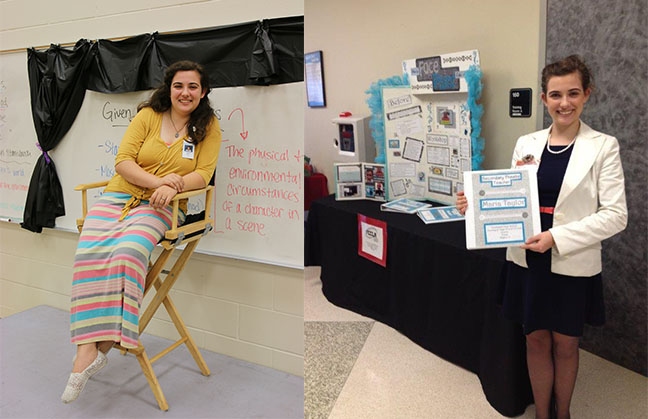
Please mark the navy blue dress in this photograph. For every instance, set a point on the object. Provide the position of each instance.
(538, 298)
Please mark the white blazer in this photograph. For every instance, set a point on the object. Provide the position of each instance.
(591, 204)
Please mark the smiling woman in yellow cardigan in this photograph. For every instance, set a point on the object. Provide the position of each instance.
(143, 145)
(171, 146)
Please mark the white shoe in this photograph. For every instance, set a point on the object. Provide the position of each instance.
(105, 353)
(78, 380)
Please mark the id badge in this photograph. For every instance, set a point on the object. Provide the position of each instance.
(529, 159)
(188, 150)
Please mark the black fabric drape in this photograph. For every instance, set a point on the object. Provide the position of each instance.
(57, 79)
(287, 37)
(253, 53)
(128, 65)
(263, 52)
(224, 52)
(263, 64)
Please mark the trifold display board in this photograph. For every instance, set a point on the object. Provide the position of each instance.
(258, 205)
(427, 144)
(427, 129)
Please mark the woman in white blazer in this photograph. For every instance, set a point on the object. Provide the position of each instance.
(553, 285)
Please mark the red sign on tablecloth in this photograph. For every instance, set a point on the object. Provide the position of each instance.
(372, 239)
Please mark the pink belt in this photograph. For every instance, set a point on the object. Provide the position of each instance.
(547, 210)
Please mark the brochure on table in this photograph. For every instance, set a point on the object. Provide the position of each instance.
(359, 181)
(503, 207)
(427, 129)
(439, 215)
(404, 205)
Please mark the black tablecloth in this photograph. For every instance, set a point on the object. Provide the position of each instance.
(433, 290)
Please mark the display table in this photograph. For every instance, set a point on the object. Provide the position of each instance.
(433, 290)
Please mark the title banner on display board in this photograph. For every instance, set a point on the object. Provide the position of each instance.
(440, 73)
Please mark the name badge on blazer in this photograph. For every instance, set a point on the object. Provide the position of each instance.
(188, 150)
(528, 159)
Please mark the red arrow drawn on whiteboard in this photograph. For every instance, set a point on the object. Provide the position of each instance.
(243, 132)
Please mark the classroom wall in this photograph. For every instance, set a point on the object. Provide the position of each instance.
(364, 41)
(616, 107)
(246, 310)
(27, 23)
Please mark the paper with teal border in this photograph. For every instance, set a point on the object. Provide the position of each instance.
(503, 207)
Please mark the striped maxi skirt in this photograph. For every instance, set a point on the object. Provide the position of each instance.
(110, 269)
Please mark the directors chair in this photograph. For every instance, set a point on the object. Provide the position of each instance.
(195, 227)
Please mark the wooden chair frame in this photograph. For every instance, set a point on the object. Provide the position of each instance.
(190, 235)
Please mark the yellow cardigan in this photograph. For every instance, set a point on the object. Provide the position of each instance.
(143, 145)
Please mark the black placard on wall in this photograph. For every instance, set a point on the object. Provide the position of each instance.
(520, 103)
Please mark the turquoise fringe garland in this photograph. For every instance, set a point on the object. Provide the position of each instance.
(473, 78)
(375, 102)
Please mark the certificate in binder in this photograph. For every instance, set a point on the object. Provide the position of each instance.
(503, 208)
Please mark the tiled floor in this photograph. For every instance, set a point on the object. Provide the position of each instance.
(393, 377)
(332, 350)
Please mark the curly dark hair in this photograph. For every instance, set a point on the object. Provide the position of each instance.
(568, 65)
(160, 100)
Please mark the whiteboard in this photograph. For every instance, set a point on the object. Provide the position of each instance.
(18, 151)
(258, 206)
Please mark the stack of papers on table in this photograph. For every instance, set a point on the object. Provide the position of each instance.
(404, 205)
(439, 215)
